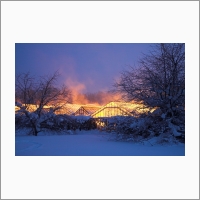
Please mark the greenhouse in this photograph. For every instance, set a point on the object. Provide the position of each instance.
(95, 111)
(87, 110)
(119, 109)
(68, 109)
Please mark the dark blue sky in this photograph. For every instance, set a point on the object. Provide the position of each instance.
(86, 67)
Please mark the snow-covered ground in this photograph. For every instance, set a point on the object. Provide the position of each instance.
(90, 143)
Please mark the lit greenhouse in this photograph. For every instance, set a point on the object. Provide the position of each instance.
(119, 109)
(87, 110)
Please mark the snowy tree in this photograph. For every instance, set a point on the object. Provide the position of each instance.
(159, 79)
(158, 82)
(38, 99)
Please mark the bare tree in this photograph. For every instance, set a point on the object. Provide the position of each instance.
(159, 79)
(25, 89)
(35, 96)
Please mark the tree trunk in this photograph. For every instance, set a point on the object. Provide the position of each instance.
(35, 130)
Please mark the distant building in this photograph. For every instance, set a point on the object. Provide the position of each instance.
(87, 110)
(119, 109)
(68, 109)
(109, 110)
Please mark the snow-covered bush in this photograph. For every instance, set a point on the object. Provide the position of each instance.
(155, 125)
(21, 121)
(59, 122)
(52, 122)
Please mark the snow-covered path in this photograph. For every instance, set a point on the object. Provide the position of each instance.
(89, 143)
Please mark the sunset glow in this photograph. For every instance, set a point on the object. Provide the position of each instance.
(88, 70)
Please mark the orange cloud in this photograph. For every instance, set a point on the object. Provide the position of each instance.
(77, 90)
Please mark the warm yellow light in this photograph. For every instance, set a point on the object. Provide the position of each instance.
(109, 110)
